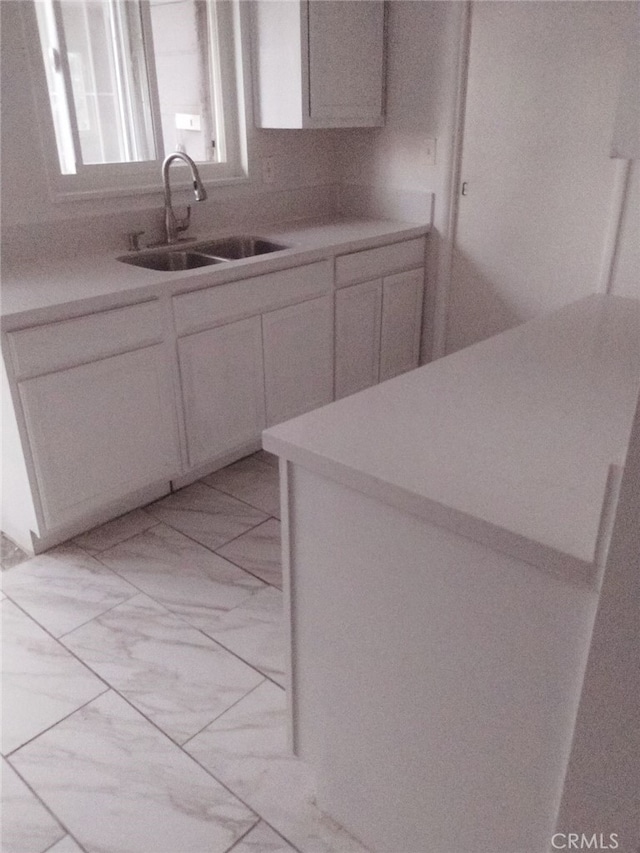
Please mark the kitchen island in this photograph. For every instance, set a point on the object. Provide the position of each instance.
(445, 538)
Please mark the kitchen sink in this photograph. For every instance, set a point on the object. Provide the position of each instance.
(235, 248)
(202, 254)
(170, 260)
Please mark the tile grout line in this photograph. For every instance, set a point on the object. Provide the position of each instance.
(72, 837)
(253, 575)
(161, 604)
(44, 805)
(177, 616)
(199, 732)
(265, 678)
(244, 569)
(99, 615)
(231, 791)
(155, 521)
(248, 530)
(142, 714)
(202, 767)
(61, 720)
(236, 655)
(152, 723)
(230, 495)
(272, 828)
(109, 686)
(191, 539)
(175, 743)
(244, 835)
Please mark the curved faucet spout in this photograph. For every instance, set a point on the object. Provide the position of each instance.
(171, 223)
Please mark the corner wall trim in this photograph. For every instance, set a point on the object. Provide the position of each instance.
(454, 167)
(612, 234)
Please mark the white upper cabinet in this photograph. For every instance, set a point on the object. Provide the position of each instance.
(318, 63)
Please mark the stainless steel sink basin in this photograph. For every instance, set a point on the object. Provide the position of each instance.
(201, 254)
(235, 248)
(170, 260)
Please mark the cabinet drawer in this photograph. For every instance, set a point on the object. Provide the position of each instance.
(375, 263)
(55, 346)
(203, 309)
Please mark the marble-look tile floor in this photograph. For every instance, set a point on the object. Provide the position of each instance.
(143, 708)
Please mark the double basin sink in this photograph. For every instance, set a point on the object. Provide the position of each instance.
(176, 258)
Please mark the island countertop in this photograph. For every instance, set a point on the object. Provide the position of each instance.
(508, 442)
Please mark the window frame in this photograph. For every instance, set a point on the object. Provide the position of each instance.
(111, 180)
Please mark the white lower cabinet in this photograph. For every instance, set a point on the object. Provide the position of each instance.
(401, 323)
(222, 389)
(358, 311)
(378, 326)
(101, 415)
(99, 431)
(298, 358)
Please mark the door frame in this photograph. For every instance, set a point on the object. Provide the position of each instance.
(453, 168)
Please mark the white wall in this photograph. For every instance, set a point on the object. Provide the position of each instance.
(375, 166)
(423, 47)
(541, 101)
(579, 82)
(304, 181)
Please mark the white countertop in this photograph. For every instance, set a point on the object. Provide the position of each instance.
(508, 442)
(49, 289)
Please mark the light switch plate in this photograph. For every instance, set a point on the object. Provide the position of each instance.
(187, 121)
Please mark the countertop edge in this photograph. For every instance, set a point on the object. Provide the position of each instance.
(575, 434)
(129, 285)
(538, 555)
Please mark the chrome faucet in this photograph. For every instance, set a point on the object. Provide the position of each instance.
(171, 223)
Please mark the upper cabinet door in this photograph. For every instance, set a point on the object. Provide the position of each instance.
(346, 44)
(318, 63)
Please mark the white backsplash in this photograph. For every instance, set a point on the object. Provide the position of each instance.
(385, 203)
(230, 208)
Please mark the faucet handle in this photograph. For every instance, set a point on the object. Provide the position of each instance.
(183, 224)
(133, 239)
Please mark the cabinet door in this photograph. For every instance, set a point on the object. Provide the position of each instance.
(346, 52)
(401, 323)
(100, 431)
(223, 388)
(357, 336)
(298, 358)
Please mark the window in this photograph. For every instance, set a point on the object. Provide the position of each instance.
(129, 81)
